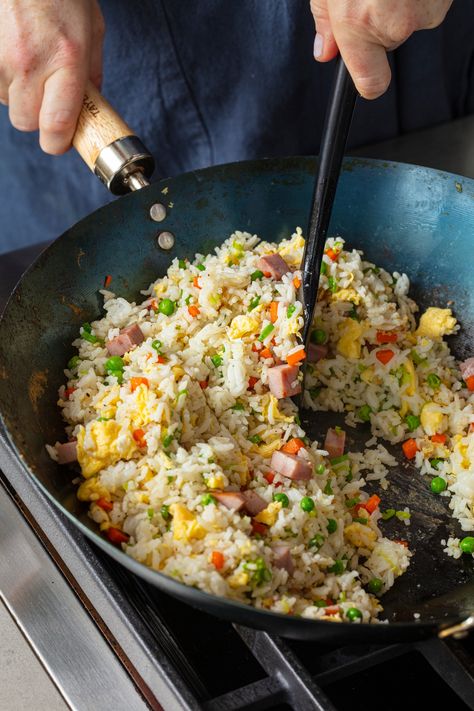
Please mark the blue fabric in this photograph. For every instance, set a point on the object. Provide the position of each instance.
(211, 81)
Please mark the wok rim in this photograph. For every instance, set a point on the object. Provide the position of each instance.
(405, 630)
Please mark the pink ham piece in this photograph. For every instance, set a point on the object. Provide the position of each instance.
(316, 352)
(334, 442)
(283, 380)
(127, 339)
(467, 368)
(232, 500)
(274, 265)
(282, 557)
(291, 466)
(253, 502)
(67, 452)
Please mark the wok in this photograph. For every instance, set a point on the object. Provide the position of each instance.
(405, 218)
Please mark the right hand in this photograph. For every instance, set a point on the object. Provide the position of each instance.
(48, 51)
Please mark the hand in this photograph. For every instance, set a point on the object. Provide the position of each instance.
(48, 51)
(363, 30)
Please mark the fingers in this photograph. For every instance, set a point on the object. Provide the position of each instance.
(24, 101)
(62, 101)
(366, 62)
(325, 47)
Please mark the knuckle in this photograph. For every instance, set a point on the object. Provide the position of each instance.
(59, 122)
(23, 58)
(400, 30)
(69, 51)
(319, 10)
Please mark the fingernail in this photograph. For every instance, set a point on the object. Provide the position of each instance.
(318, 46)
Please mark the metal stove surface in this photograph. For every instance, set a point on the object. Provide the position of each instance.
(109, 640)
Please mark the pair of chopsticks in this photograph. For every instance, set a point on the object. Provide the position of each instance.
(336, 127)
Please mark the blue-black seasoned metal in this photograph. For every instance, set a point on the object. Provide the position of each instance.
(405, 218)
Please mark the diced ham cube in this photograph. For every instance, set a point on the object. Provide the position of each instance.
(283, 380)
(274, 265)
(291, 466)
(67, 452)
(127, 339)
(334, 442)
(316, 352)
(232, 500)
(282, 557)
(467, 368)
(253, 502)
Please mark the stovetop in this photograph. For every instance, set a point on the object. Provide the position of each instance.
(109, 639)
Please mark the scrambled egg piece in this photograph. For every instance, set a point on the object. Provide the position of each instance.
(347, 295)
(436, 323)
(289, 251)
(410, 387)
(215, 482)
(243, 326)
(360, 535)
(266, 450)
(432, 420)
(107, 404)
(185, 524)
(178, 372)
(271, 412)
(269, 515)
(238, 580)
(141, 414)
(91, 490)
(367, 375)
(103, 446)
(349, 344)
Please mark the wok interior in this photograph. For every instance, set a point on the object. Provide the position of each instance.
(405, 218)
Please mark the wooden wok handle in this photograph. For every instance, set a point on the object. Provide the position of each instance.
(109, 147)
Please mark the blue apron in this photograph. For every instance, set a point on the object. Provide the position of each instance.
(212, 81)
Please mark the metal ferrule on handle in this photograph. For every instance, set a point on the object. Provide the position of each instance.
(124, 165)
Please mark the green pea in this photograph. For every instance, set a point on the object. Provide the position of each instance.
(412, 422)
(318, 337)
(438, 484)
(282, 499)
(114, 363)
(317, 541)
(166, 307)
(201, 267)
(320, 469)
(375, 586)
(257, 274)
(328, 489)
(435, 463)
(364, 413)
(353, 614)
(332, 525)
(467, 544)
(433, 381)
(255, 439)
(165, 512)
(337, 568)
(167, 439)
(156, 345)
(116, 374)
(307, 504)
(73, 362)
(207, 499)
(216, 360)
(290, 310)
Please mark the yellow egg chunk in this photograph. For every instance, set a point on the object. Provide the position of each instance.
(238, 580)
(266, 450)
(349, 295)
(101, 445)
(436, 323)
(91, 490)
(215, 482)
(291, 252)
(409, 386)
(185, 524)
(269, 515)
(242, 326)
(349, 344)
(432, 420)
(270, 410)
(360, 535)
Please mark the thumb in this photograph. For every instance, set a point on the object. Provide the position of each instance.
(325, 47)
(366, 62)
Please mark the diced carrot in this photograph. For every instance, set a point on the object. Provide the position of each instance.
(384, 356)
(401, 543)
(217, 559)
(470, 383)
(255, 347)
(296, 357)
(265, 353)
(153, 305)
(332, 610)
(332, 254)
(139, 437)
(372, 503)
(410, 448)
(136, 382)
(293, 446)
(439, 438)
(116, 536)
(267, 274)
(107, 281)
(269, 476)
(273, 311)
(104, 504)
(297, 282)
(203, 384)
(68, 392)
(193, 311)
(386, 337)
(471, 427)
(161, 359)
(252, 382)
(259, 528)
(196, 282)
